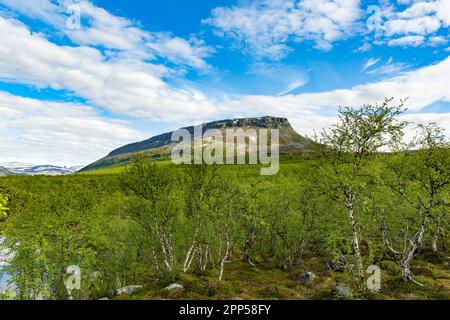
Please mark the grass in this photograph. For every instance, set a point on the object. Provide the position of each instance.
(113, 170)
(245, 282)
(286, 161)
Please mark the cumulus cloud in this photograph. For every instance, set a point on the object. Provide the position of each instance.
(266, 28)
(43, 10)
(407, 41)
(420, 23)
(120, 85)
(437, 41)
(100, 28)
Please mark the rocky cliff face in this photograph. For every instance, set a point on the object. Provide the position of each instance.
(263, 122)
(160, 146)
(166, 138)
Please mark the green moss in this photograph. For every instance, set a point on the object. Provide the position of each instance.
(389, 267)
(242, 281)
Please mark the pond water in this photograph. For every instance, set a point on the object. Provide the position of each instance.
(4, 277)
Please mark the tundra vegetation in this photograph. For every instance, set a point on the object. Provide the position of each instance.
(221, 231)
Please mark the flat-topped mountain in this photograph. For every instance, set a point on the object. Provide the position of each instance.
(161, 146)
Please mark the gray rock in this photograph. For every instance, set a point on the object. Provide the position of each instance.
(342, 291)
(306, 277)
(103, 299)
(174, 286)
(128, 290)
(337, 265)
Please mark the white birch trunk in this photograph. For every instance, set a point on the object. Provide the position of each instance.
(414, 244)
(222, 263)
(356, 248)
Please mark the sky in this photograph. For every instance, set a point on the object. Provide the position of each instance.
(81, 78)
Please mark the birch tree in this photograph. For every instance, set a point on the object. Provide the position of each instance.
(422, 181)
(349, 146)
(200, 185)
(156, 212)
(3, 204)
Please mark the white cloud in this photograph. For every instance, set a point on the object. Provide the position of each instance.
(269, 29)
(371, 62)
(437, 41)
(419, 26)
(414, 119)
(266, 28)
(364, 47)
(443, 11)
(57, 133)
(124, 86)
(389, 68)
(406, 41)
(180, 50)
(43, 10)
(311, 111)
(418, 10)
(421, 23)
(101, 28)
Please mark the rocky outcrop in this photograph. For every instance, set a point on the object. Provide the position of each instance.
(128, 290)
(173, 291)
(342, 291)
(337, 265)
(306, 278)
(166, 138)
(174, 286)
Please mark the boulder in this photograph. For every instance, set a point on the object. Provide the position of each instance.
(306, 277)
(337, 265)
(174, 286)
(128, 290)
(173, 291)
(342, 291)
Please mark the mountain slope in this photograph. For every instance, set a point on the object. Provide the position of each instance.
(161, 146)
(5, 172)
(26, 169)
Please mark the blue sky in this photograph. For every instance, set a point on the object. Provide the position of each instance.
(80, 78)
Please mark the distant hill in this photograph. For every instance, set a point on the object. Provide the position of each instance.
(5, 172)
(160, 147)
(26, 169)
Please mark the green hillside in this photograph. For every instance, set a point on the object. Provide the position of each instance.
(160, 147)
